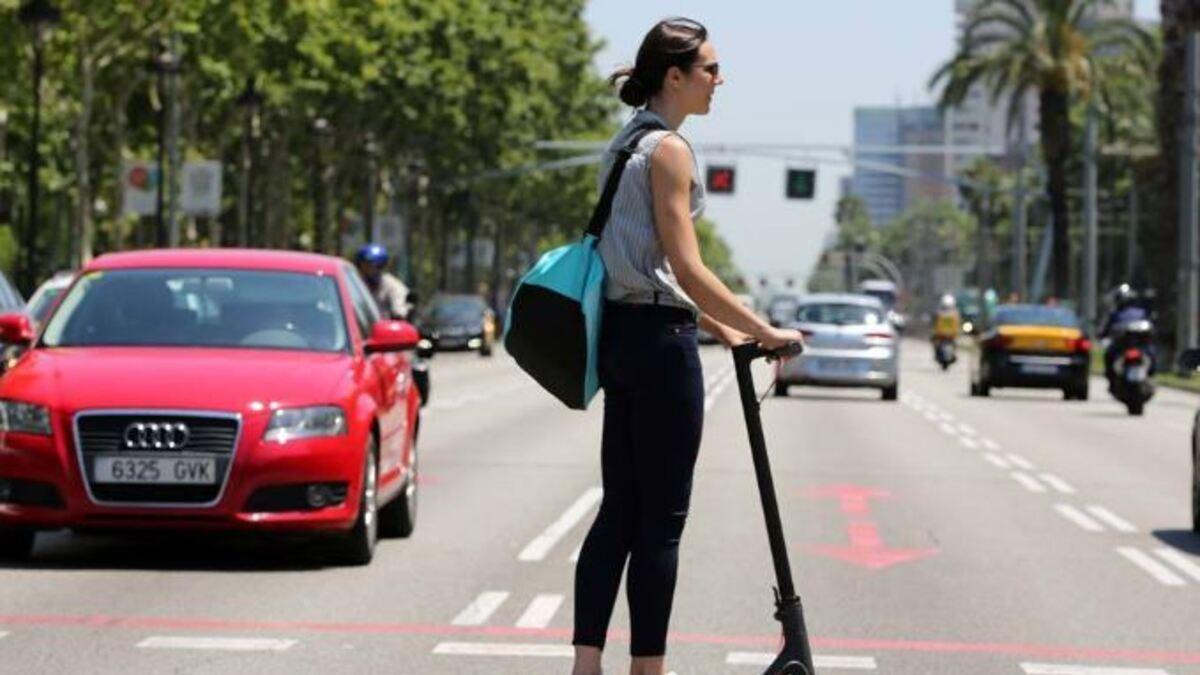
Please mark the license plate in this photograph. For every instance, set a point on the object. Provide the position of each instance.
(842, 366)
(1038, 369)
(1137, 373)
(155, 470)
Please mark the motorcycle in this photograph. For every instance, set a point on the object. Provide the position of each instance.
(1133, 364)
(945, 352)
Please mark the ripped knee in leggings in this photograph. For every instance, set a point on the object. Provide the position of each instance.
(674, 527)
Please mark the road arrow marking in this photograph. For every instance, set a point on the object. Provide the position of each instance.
(866, 547)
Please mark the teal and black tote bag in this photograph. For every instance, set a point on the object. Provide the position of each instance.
(553, 326)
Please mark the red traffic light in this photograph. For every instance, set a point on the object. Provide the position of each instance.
(720, 179)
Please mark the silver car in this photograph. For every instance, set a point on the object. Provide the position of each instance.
(850, 343)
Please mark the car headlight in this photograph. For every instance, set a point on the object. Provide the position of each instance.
(315, 422)
(26, 418)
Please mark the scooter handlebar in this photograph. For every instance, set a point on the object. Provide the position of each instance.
(752, 350)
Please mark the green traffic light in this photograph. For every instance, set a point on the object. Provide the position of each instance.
(801, 183)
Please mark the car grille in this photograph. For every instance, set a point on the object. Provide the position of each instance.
(212, 435)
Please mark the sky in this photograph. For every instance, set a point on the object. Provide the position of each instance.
(794, 72)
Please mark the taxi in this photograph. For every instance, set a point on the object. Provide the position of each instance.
(1033, 346)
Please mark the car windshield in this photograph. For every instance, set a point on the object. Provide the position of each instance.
(200, 308)
(456, 310)
(1033, 315)
(841, 314)
(41, 302)
(888, 298)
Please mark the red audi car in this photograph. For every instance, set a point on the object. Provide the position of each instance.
(211, 389)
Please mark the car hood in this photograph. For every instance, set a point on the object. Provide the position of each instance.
(74, 378)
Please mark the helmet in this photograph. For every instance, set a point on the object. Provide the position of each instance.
(375, 254)
(1124, 295)
(947, 302)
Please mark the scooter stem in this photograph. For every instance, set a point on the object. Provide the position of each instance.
(796, 656)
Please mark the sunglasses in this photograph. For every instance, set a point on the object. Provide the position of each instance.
(713, 69)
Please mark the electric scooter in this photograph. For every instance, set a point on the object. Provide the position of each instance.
(795, 658)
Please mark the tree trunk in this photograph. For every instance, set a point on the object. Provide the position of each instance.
(1056, 148)
(81, 248)
(1161, 233)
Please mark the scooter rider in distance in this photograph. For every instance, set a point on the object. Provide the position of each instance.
(390, 293)
(1126, 310)
(945, 331)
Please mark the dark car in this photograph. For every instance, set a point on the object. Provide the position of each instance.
(1034, 346)
(459, 322)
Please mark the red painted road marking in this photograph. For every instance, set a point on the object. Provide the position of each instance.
(1094, 654)
(866, 547)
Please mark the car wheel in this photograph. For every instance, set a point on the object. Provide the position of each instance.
(781, 389)
(985, 389)
(974, 389)
(399, 518)
(891, 393)
(357, 547)
(1136, 407)
(16, 545)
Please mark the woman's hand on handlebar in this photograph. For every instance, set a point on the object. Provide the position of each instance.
(774, 338)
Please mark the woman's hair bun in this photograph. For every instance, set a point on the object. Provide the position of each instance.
(634, 92)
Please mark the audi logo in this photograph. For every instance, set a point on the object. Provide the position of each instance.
(156, 435)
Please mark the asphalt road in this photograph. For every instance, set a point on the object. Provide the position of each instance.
(938, 534)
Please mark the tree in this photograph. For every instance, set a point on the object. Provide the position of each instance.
(853, 223)
(1015, 48)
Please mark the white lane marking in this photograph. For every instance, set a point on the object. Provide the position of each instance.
(217, 643)
(931, 416)
(541, 545)
(821, 661)
(575, 555)
(554, 651)
(1151, 566)
(1180, 561)
(1070, 669)
(967, 429)
(541, 611)
(481, 609)
(1020, 462)
(711, 398)
(946, 417)
(1057, 483)
(3, 635)
(968, 443)
(990, 444)
(1111, 519)
(949, 430)
(1028, 482)
(1078, 517)
(996, 460)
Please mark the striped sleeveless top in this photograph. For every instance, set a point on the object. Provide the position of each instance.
(638, 270)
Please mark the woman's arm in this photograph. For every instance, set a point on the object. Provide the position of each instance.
(671, 183)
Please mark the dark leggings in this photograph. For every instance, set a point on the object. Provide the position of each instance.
(653, 413)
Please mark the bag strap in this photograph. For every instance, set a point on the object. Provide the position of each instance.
(603, 208)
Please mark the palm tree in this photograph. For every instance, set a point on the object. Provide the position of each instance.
(1049, 47)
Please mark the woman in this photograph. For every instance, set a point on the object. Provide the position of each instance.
(658, 289)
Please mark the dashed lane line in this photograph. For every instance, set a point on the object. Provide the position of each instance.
(996, 461)
(990, 444)
(1028, 482)
(541, 611)
(1057, 483)
(967, 429)
(217, 644)
(1070, 669)
(1078, 517)
(481, 609)
(1151, 566)
(1180, 561)
(820, 661)
(540, 547)
(968, 443)
(1020, 461)
(948, 429)
(1111, 519)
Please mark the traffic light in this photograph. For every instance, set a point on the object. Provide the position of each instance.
(801, 183)
(720, 179)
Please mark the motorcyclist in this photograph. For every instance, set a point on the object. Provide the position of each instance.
(390, 293)
(947, 321)
(1125, 310)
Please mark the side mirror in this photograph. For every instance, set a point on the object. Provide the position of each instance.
(1187, 363)
(16, 329)
(392, 336)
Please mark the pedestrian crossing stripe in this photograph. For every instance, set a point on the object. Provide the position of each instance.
(217, 644)
(1069, 669)
(820, 661)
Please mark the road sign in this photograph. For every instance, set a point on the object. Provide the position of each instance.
(801, 183)
(200, 193)
(720, 179)
(139, 188)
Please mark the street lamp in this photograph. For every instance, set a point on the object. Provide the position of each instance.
(249, 101)
(164, 63)
(40, 16)
(371, 148)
